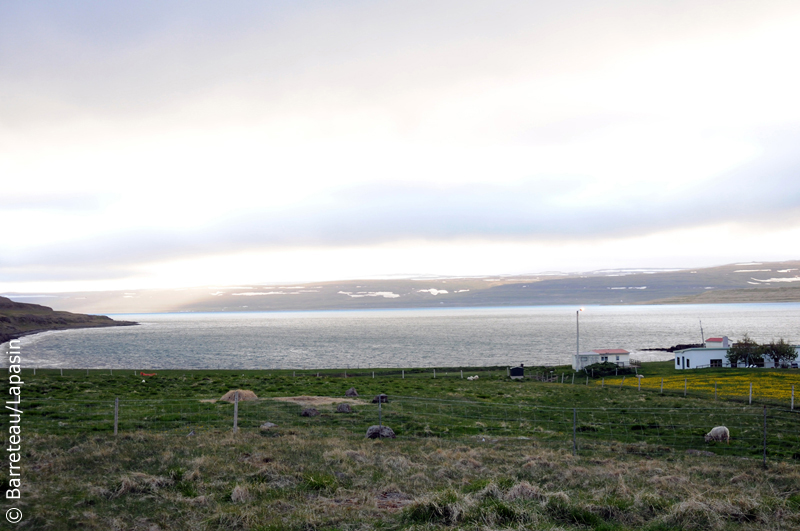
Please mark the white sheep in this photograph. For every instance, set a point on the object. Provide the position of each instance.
(720, 433)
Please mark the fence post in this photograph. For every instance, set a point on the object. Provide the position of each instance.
(603, 383)
(235, 411)
(380, 414)
(574, 431)
(587, 380)
(404, 374)
(765, 436)
(111, 372)
(685, 387)
(62, 372)
(373, 375)
(623, 382)
(462, 374)
(662, 386)
(34, 371)
(715, 389)
(434, 374)
(639, 385)
(792, 398)
(750, 400)
(116, 414)
(573, 378)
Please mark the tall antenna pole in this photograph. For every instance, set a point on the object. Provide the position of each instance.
(702, 336)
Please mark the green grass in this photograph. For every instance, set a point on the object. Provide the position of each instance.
(420, 406)
(486, 454)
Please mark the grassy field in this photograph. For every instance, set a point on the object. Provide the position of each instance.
(485, 454)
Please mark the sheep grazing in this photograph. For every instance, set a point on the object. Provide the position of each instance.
(472, 377)
(720, 433)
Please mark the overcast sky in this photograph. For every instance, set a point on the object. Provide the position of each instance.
(165, 144)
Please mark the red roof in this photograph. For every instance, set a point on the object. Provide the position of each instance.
(714, 339)
(611, 351)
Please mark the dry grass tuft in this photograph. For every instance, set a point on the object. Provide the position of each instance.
(525, 491)
(240, 494)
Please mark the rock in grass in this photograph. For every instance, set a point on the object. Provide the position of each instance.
(344, 408)
(351, 392)
(309, 412)
(380, 398)
(380, 432)
(268, 425)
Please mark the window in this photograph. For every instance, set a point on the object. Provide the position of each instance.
(617, 358)
(583, 358)
(688, 363)
(678, 361)
(604, 358)
(716, 363)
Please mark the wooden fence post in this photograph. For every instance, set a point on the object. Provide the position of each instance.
(685, 387)
(662, 386)
(574, 431)
(792, 398)
(750, 400)
(116, 414)
(236, 412)
(765, 436)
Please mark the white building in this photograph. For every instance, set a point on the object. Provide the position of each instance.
(714, 354)
(611, 355)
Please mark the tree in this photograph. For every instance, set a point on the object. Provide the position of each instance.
(781, 352)
(745, 351)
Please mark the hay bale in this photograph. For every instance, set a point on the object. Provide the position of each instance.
(244, 394)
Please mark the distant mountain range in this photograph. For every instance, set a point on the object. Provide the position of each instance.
(750, 282)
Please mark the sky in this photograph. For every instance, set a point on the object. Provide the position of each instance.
(166, 144)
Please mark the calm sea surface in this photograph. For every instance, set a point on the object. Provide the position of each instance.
(542, 335)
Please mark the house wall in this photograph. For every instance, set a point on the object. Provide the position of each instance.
(693, 358)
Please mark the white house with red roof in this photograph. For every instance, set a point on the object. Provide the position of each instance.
(612, 355)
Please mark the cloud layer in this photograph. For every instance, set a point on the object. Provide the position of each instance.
(136, 137)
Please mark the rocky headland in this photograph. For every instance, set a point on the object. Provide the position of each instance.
(19, 318)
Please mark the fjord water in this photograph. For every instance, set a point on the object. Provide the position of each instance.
(540, 335)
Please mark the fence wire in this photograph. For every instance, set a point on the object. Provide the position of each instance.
(753, 429)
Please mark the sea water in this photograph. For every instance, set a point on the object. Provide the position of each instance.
(441, 337)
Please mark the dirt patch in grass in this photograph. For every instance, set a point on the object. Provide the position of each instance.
(316, 400)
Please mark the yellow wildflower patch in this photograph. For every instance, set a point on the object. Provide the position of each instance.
(767, 385)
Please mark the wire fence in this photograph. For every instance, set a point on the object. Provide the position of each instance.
(755, 431)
